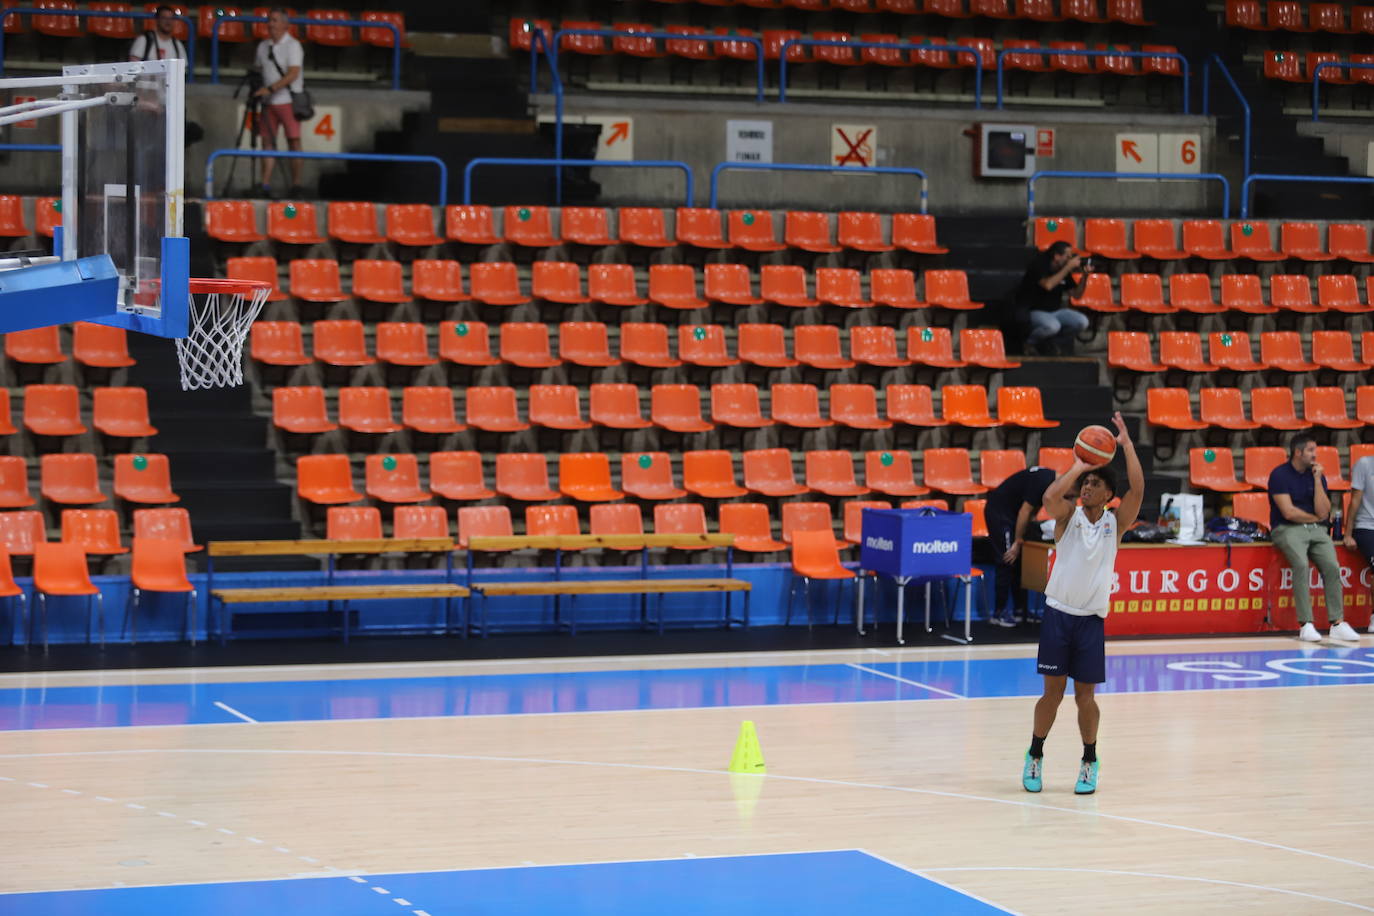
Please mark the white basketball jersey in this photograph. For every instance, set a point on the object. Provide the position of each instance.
(1084, 557)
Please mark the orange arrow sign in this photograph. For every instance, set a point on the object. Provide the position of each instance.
(620, 130)
(1128, 149)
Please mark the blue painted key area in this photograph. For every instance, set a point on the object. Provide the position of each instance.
(798, 884)
(690, 688)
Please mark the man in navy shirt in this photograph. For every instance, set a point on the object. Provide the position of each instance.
(1299, 504)
(1008, 512)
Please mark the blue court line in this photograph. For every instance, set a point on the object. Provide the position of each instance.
(797, 884)
(676, 688)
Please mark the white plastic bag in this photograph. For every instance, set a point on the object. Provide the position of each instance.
(1181, 513)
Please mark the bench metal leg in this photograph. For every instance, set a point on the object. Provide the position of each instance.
(131, 609)
(191, 604)
(43, 614)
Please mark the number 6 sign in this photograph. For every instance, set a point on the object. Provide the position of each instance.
(1180, 153)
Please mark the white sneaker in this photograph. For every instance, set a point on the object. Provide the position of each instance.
(1344, 632)
(1309, 633)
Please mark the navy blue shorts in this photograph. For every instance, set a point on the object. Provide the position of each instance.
(1072, 645)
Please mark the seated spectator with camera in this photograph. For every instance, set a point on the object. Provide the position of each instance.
(1038, 314)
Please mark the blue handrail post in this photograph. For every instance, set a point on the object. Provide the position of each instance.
(1161, 176)
(558, 164)
(899, 45)
(1001, 55)
(1244, 105)
(1316, 73)
(806, 167)
(347, 157)
(1306, 179)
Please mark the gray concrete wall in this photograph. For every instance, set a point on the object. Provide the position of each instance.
(1350, 139)
(935, 141)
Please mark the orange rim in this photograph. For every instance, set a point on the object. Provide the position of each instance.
(206, 285)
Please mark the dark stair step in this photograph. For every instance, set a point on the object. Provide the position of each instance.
(230, 501)
(196, 466)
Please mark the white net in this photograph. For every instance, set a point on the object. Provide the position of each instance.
(221, 312)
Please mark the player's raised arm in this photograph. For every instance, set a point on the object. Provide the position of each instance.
(1062, 495)
(1129, 510)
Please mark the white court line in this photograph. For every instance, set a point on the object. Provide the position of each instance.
(1147, 874)
(868, 670)
(816, 780)
(924, 874)
(234, 712)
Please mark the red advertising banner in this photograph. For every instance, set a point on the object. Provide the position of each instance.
(1165, 589)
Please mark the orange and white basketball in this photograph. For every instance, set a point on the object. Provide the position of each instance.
(1095, 444)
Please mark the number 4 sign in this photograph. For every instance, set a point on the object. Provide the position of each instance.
(1180, 153)
(323, 133)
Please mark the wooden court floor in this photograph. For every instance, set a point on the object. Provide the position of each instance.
(1254, 796)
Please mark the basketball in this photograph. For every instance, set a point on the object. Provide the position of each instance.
(1095, 444)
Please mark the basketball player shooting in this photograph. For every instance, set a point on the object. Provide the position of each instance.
(1077, 599)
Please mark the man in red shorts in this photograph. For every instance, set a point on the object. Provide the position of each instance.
(282, 62)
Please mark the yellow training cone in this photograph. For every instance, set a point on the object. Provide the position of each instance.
(748, 757)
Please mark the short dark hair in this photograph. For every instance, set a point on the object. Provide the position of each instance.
(164, 9)
(1104, 474)
(279, 9)
(1299, 442)
(1059, 247)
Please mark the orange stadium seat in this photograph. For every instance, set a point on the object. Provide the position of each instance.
(467, 343)
(949, 289)
(95, 531)
(143, 479)
(1349, 241)
(471, 224)
(818, 346)
(677, 408)
(648, 475)
(493, 409)
(912, 405)
(1293, 293)
(168, 524)
(875, 345)
(301, 410)
(801, 518)
(646, 344)
(585, 343)
(996, 465)
(700, 227)
(278, 343)
(674, 286)
(419, 522)
(556, 407)
(1364, 408)
(378, 281)
(52, 410)
(1260, 462)
(1231, 350)
(403, 343)
(891, 473)
(1252, 507)
(1251, 239)
(1183, 350)
(557, 281)
(1171, 408)
(366, 410)
(1217, 474)
(703, 345)
(526, 344)
(379, 37)
(411, 225)
(1224, 407)
(1283, 350)
(586, 225)
(1325, 406)
(122, 412)
(458, 476)
(967, 405)
(1144, 293)
(616, 406)
(769, 471)
(737, 405)
(861, 232)
(1304, 241)
(644, 227)
(263, 268)
(763, 345)
(341, 343)
(98, 346)
(681, 518)
(832, 472)
(895, 288)
(333, 36)
(809, 231)
(710, 473)
(109, 27)
(429, 409)
(22, 532)
(949, 470)
(615, 518)
(394, 478)
(1336, 350)
(1097, 295)
(1021, 406)
(840, 286)
(731, 284)
(1340, 292)
(230, 220)
(316, 280)
(797, 405)
(7, 427)
(1205, 238)
(1131, 350)
(984, 347)
(916, 232)
(785, 284)
(853, 518)
(932, 346)
(1107, 237)
(483, 522)
(293, 222)
(856, 406)
(529, 227)
(495, 283)
(751, 526)
(39, 346)
(1157, 239)
(1241, 293)
(586, 476)
(1050, 229)
(552, 521)
(1193, 293)
(524, 477)
(354, 222)
(613, 284)
(14, 483)
(1273, 408)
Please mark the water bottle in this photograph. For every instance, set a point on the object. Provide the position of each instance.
(1336, 533)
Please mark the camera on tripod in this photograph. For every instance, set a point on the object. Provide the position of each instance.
(252, 81)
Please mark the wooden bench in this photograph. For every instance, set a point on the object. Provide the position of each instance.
(643, 586)
(330, 592)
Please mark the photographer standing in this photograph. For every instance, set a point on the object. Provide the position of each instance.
(1039, 312)
(281, 59)
(160, 42)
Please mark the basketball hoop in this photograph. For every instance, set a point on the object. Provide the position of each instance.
(221, 312)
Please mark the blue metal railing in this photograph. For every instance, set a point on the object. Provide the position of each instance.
(1162, 176)
(832, 169)
(595, 163)
(296, 20)
(1076, 52)
(1240, 97)
(102, 14)
(1316, 74)
(1308, 179)
(350, 157)
(30, 147)
(823, 43)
